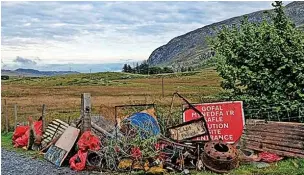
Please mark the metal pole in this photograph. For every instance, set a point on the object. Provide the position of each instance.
(15, 109)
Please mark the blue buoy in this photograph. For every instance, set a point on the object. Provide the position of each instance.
(145, 123)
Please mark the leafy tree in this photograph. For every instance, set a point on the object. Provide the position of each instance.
(263, 64)
(167, 70)
(155, 70)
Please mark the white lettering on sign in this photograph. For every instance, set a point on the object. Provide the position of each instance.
(225, 120)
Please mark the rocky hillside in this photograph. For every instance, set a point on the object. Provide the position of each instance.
(191, 48)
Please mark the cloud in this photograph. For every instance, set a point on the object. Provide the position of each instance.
(104, 32)
(26, 61)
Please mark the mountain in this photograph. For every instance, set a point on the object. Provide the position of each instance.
(34, 73)
(191, 48)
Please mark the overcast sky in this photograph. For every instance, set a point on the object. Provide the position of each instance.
(36, 34)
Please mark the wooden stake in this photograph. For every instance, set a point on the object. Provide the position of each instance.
(163, 91)
(6, 116)
(43, 117)
(15, 109)
(86, 112)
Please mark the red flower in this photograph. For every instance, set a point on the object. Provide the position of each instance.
(135, 152)
(116, 148)
(157, 146)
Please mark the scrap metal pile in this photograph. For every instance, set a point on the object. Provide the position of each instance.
(139, 142)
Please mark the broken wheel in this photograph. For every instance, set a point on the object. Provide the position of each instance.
(220, 157)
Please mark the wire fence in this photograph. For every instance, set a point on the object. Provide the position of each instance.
(15, 114)
(277, 113)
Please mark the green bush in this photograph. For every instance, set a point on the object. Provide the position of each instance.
(263, 64)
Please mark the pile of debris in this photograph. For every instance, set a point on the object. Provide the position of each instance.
(137, 142)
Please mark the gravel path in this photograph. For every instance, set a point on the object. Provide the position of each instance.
(13, 163)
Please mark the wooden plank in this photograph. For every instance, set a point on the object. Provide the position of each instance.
(262, 133)
(271, 146)
(86, 112)
(272, 138)
(274, 123)
(278, 152)
(56, 127)
(68, 138)
(58, 152)
(61, 122)
(299, 145)
(276, 130)
(293, 129)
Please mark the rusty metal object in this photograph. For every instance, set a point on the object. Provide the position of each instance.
(94, 159)
(220, 157)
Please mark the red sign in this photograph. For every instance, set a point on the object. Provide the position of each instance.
(225, 120)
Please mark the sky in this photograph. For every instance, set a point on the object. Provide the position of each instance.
(101, 36)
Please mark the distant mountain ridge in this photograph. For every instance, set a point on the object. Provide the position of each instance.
(191, 48)
(34, 73)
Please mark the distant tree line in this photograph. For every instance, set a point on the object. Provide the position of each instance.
(144, 68)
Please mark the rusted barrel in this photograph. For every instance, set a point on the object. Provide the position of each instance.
(220, 157)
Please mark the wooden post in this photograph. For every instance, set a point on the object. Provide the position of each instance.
(6, 116)
(163, 91)
(86, 112)
(15, 112)
(43, 117)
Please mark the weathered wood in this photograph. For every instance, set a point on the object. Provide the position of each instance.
(282, 138)
(6, 117)
(43, 117)
(274, 138)
(101, 130)
(275, 130)
(86, 112)
(262, 134)
(272, 127)
(15, 112)
(58, 152)
(279, 143)
(163, 90)
(278, 152)
(274, 123)
(272, 146)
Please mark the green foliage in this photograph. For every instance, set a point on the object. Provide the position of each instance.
(262, 64)
(144, 68)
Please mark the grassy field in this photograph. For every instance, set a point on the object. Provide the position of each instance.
(61, 94)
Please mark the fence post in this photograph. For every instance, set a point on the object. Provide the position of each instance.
(163, 91)
(15, 112)
(6, 117)
(43, 117)
(86, 112)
